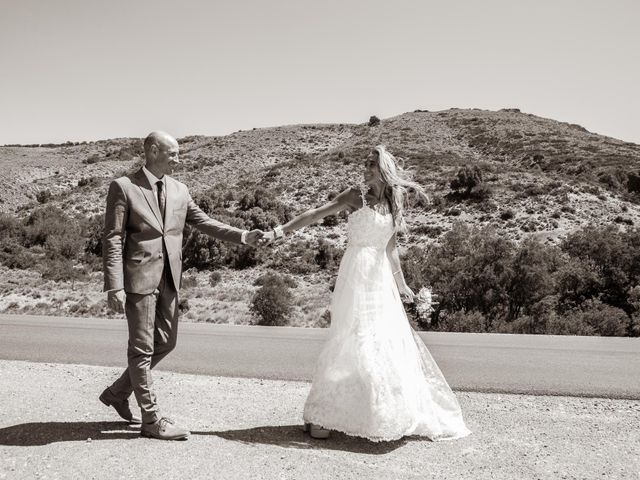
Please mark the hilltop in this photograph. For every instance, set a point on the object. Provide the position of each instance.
(545, 177)
(540, 178)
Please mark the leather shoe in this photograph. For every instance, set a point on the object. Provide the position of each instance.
(164, 429)
(120, 406)
(317, 431)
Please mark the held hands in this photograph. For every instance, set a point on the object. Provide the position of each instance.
(115, 300)
(258, 238)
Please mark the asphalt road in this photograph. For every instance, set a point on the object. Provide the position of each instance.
(545, 365)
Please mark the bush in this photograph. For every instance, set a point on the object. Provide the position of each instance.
(215, 278)
(473, 322)
(374, 121)
(272, 278)
(183, 306)
(610, 260)
(633, 182)
(604, 319)
(467, 178)
(328, 256)
(272, 304)
(93, 229)
(507, 214)
(568, 325)
(189, 279)
(43, 196)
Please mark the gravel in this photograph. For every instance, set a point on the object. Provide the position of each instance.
(53, 426)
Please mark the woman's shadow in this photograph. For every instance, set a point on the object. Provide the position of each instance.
(44, 433)
(292, 436)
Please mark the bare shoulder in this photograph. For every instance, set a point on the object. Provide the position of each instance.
(349, 197)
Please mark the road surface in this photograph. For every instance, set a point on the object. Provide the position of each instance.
(545, 365)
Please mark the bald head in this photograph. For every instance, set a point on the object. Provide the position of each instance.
(158, 138)
(160, 152)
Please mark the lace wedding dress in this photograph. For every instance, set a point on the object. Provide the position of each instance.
(375, 377)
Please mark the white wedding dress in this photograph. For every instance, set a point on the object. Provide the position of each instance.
(375, 377)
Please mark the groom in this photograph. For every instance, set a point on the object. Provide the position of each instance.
(142, 255)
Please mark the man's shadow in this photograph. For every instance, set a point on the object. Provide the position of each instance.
(44, 433)
(292, 436)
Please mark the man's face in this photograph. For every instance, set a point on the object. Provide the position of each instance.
(167, 156)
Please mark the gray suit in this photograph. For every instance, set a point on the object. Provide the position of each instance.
(142, 254)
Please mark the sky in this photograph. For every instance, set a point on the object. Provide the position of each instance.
(74, 70)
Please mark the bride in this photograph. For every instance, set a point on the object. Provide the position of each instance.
(375, 377)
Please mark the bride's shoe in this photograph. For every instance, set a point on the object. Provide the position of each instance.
(316, 431)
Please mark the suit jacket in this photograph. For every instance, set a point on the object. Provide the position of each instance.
(136, 238)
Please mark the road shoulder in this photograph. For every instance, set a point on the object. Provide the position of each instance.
(251, 428)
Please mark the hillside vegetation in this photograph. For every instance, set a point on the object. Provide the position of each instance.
(531, 227)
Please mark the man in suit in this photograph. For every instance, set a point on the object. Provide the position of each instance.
(142, 254)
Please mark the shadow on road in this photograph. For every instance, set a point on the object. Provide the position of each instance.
(292, 436)
(44, 433)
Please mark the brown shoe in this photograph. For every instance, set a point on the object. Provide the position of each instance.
(164, 429)
(120, 406)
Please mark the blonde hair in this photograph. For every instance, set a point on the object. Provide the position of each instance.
(399, 183)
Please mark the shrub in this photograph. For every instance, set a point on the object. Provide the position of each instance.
(189, 279)
(93, 229)
(568, 325)
(89, 181)
(374, 121)
(467, 178)
(183, 306)
(43, 196)
(603, 319)
(473, 322)
(507, 214)
(327, 256)
(633, 182)
(272, 278)
(214, 278)
(272, 304)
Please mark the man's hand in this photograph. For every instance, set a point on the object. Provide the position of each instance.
(115, 300)
(268, 237)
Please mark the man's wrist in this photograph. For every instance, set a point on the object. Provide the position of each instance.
(278, 232)
(243, 237)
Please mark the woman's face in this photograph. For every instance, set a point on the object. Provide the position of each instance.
(372, 173)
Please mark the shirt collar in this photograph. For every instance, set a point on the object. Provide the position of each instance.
(153, 180)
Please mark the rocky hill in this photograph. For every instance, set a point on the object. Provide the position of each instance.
(534, 177)
(539, 176)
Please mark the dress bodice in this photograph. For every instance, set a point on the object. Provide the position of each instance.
(369, 228)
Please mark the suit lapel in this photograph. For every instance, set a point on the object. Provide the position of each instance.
(152, 202)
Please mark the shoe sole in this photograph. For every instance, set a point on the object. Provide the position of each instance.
(132, 421)
(150, 435)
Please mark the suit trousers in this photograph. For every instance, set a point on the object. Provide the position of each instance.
(153, 330)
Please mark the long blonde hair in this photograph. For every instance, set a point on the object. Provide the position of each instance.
(399, 183)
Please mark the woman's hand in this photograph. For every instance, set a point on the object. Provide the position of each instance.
(406, 293)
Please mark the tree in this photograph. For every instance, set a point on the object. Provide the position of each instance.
(272, 304)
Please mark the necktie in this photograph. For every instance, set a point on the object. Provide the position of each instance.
(161, 199)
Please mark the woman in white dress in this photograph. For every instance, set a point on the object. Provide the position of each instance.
(375, 377)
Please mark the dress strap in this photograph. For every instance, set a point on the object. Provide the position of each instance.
(363, 194)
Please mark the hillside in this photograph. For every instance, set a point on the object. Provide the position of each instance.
(540, 178)
(554, 176)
